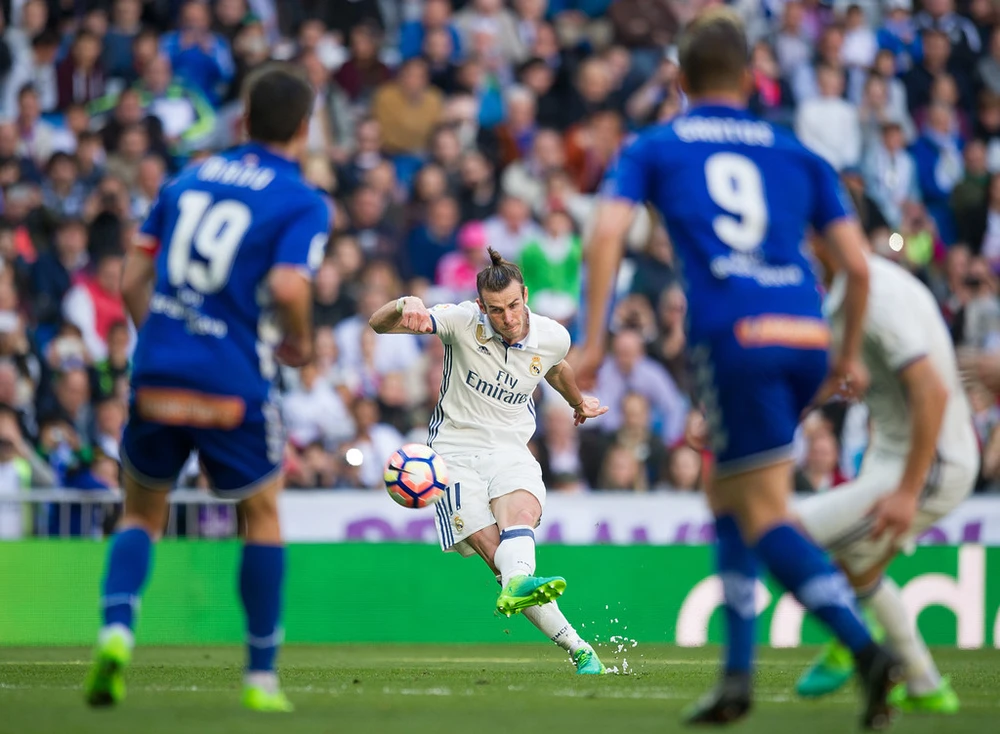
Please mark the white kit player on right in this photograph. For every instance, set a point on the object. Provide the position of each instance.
(922, 462)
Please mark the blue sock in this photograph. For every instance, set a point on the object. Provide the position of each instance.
(126, 572)
(737, 569)
(261, 575)
(804, 570)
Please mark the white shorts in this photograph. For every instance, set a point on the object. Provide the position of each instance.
(476, 480)
(839, 519)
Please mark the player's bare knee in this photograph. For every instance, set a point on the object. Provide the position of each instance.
(260, 516)
(517, 508)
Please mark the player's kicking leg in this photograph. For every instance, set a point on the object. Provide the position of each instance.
(517, 514)
(261, 575)
(547, 617)
(127, 568)
(756, 500)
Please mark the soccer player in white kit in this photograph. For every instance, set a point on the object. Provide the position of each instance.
(922, 461)
(496, 353)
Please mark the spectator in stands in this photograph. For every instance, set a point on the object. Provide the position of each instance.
(621, 470)
(376, 440)
(526, 178)
(968, 198)
(821, 469)
(937, 59)
(95, 304)
(20, 469)
(107, 373)
(54, 272)
(960, 32)
(456, 271)
(558, 448)
(35, 67)
(512, 227)
(626, 370)
(187, 117)
(938, 158)
(314, 412)
(478, 194)
(860, 43)
(63, 194)
(436, 16)
(439, 53)
(792, 44)
(877, 108)
(38, 138)
(684, 470)
(80, 76)
(552, 267)
(898, 34)
(890, 174)
(363, 72)
(116, 56)
(407, 109)
(428, 243)
(829, 124)
(200, 57)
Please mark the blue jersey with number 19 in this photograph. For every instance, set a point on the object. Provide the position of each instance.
(216, 231)
(737, 196)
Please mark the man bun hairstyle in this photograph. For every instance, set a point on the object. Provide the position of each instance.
(499, 274)
(713, 51)
(278, 98)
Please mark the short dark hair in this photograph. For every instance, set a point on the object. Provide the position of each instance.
(498, 275)
(713, 51)
(278, 100)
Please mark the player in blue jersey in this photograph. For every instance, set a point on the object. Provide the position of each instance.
(737, 197)
(221, 273)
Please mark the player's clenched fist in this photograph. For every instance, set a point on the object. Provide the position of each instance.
(416, 317)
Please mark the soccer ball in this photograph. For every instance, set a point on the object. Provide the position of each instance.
(415, 476)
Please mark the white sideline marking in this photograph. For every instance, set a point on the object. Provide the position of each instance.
(452, 661)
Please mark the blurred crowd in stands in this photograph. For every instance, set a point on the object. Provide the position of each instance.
(441, 127)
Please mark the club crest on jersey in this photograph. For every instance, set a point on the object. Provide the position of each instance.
(481, 336)
(536, 366)
(459, 524)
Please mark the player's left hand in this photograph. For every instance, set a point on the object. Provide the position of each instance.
(589, 408)
(894, 514)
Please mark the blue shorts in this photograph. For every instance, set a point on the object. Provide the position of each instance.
(754, 396)
(240, 446)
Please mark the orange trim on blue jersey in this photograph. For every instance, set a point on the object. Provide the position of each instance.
(782, 331)
(176, 407)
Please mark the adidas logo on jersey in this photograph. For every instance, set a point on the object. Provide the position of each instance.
(483, 350)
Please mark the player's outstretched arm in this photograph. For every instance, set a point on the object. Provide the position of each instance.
(563, 380)
(848, 246)
(292, 296)
(604, 255)
(406, 315)
(138, 277)
(927, 397)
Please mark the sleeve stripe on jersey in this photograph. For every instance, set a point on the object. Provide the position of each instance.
(434, 324)
(437, 418)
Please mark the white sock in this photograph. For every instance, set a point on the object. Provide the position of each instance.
(886, 603)
(550, 620)
(515, 556)
(114, 630)
(264, 679)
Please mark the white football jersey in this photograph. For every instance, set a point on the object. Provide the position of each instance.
(485, 403)
(903, 324)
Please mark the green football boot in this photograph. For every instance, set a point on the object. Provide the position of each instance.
(522, 592)
(587, 662)
(259, 699)
(829, 672)
(944, 700)
(834, 666)
(105, 685)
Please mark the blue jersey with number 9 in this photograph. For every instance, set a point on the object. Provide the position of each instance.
(216, 231)
(736, 195)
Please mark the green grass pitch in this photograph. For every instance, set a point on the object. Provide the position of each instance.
(439, 688)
